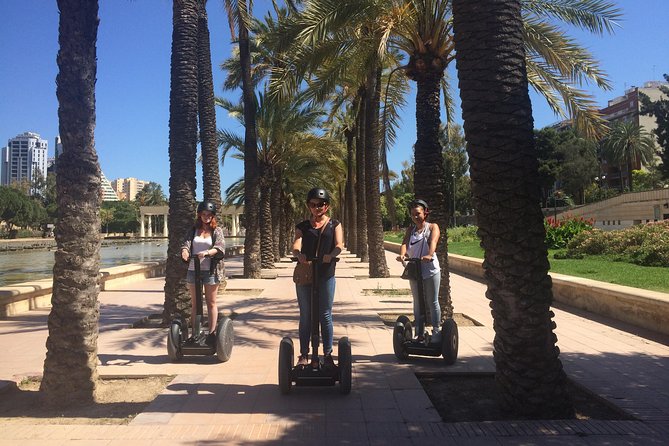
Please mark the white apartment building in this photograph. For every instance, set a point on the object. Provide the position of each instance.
(24, 157)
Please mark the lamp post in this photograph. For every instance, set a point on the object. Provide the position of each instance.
(454, 218)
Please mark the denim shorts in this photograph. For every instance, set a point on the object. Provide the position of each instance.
(207, 278)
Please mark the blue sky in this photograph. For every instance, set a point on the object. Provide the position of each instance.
(132, 91)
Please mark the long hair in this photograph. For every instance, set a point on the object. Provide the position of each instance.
(198, 222)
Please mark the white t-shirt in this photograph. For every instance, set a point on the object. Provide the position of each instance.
(200, 244)
(419, 246)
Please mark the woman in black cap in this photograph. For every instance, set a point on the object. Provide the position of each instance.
(205, 240)
(306, 246)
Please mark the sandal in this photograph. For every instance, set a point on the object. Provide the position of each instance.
(302, 361)
(315, 362)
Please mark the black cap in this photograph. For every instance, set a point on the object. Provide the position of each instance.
(206, 206)
(418, 202)
(318, 193)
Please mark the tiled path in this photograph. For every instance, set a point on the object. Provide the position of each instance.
(238, 402)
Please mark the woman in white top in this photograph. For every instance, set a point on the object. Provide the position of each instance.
(420, 241)
(205, 240)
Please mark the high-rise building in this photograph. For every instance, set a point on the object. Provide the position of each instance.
(128, 188)
(24, 158)
(108, 193)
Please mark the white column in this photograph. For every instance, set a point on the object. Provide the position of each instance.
(150, 225)
(235, 224)
(165, 225)
(141, 226)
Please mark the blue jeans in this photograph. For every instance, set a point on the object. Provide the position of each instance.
(431, 292)
(326, 299)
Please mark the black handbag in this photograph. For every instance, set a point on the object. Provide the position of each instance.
(410, 271)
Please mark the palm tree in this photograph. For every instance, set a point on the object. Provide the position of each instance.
(285, 133)
(70, 367)
(182, 152)
(206, 112)
(627, 143)
(239, 17)
(505, 183)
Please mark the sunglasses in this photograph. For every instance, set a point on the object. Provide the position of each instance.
(320, 205)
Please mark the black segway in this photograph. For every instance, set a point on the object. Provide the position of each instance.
(178, 343)
(322, 375)
(403, 342)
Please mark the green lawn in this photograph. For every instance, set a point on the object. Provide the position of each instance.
(592, 267)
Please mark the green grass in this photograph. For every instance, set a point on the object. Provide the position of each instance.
(599, 268)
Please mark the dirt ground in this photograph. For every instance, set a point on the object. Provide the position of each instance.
(474, 397)
(118, 402)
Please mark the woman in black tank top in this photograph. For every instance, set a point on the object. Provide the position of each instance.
(307, 246)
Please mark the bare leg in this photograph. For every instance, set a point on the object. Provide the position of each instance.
(210, 292)
(193, 312)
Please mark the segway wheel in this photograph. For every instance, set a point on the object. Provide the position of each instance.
(345, 366)
(225, 338)
(401, 333)
(449, 341)
(285, 365)
(174, 337)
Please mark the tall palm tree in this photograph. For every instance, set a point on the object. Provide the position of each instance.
(505, 183)
(211, 180)
(239, 17)
(285, 132)
(182, 152)
(70, 367)
(627, 143)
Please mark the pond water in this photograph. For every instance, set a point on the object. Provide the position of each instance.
(27, 265)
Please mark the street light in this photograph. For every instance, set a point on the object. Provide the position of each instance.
(454, 218)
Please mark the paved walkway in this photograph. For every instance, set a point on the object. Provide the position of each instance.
(238, 402)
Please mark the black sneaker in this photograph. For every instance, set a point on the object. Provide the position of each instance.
(211, 339)
(328, 362)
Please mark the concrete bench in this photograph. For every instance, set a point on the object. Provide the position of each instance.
(26, 296)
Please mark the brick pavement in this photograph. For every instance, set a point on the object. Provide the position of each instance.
(238, 402)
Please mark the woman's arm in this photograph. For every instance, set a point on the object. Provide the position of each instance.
(297, 246)
(338, 244)
(434, 239)
(405, 242)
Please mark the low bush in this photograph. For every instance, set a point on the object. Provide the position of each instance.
(560, 231)
(646, 245)
(463, 234)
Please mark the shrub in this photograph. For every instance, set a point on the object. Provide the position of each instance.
(646, 245)
(463, 234)
(560, 232)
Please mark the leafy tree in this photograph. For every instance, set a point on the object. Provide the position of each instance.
(70, 367)
(497, 113)
(660, 109)
(547, 141)
(151, 195)
(579, 164)
(124, 216)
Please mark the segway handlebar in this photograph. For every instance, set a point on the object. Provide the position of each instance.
(315, 259)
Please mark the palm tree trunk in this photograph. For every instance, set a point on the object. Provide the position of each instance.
(182, 153)
(387, 189)
(266, 239)
(351, 230)
(377, 256)
(275, 204)
(429, 175)
(70, 368)
(361, 213)
(506, 187)
(251, 193)
(207, 115)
